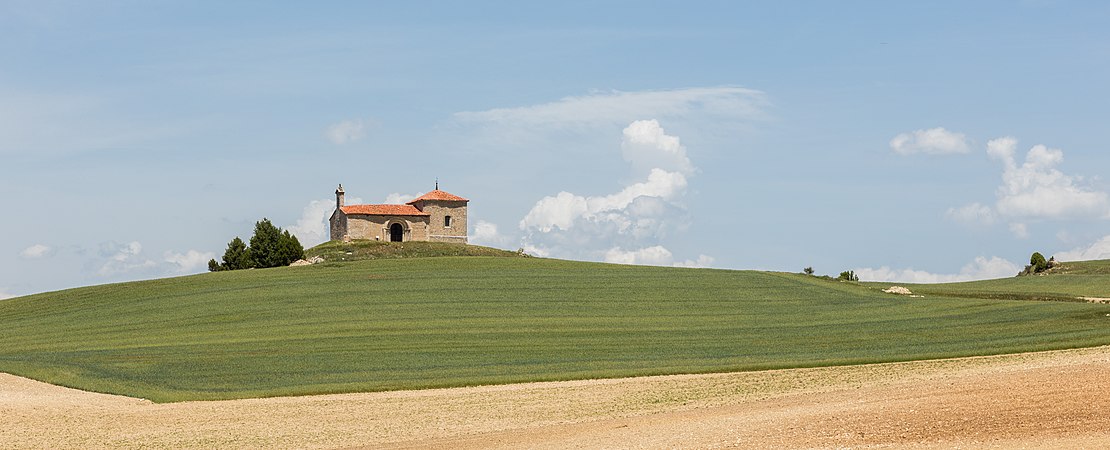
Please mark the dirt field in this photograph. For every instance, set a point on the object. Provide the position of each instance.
(1037, 400)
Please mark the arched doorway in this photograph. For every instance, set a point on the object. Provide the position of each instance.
(396, 232)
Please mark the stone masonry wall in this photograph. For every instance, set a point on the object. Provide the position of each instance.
(377, 227)
(437, 211)
(338, 225)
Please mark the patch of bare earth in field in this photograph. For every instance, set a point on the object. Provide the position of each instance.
(1049, 399)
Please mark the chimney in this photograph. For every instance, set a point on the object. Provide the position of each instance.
(339, 197)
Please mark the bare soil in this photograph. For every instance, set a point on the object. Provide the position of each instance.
(1054, 399)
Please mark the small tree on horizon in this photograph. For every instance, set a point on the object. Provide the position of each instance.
(289, 248)
(271, 247)
(264, 244)
(808, 270)
(1038, 263)
(237, 256)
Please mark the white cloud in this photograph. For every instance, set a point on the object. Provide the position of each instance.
(702, 261)
(123, 258)
(646, 146)
(973, 213)
(536, 250)
(190, 261)
(312, 228)
(558, 212)
(346, 131)
(1002, 149)
(934, 141)
(639, 215)
(1098, 250)
(4, 295)
(35, 251)
(635, 209)
(1036, 189)
(650, 256)
(653, 256)
(1033, 190)
(486, 233)
(980, 269)
(398, 198)
(618, 108)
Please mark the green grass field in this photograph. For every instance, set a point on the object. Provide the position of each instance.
(1067, 282)
(406, 323)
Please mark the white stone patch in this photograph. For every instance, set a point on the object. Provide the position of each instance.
(898, 290)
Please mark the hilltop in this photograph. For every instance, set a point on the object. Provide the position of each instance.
(421, 322)
(358, 250)
(1067, 282)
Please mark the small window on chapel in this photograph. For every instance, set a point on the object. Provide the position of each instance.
(447, 222)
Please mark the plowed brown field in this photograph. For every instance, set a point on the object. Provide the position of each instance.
(1049, 399)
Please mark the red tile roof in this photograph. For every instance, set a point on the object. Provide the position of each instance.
(383, 210)
(439, 195)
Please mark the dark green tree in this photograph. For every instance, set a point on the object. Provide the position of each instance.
(237, 256)
(848, 275)
(289, 248)
(808, 270)
(1037, 262)
(270, 247)
(266, 245)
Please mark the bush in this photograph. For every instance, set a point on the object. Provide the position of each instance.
(237, 256)
(1038, 263)
(270, 247)
(808, 270)
(848, 275)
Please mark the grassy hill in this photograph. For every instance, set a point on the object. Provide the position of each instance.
(406, 322)
(1066, 282)
(361, 250)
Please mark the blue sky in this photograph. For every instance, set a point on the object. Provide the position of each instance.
(910, 141)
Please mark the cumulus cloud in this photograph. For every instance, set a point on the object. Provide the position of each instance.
(536, 250)
(646, 146)
(934, 141)
(981, 268)
(188, 262)
(1035, 189)
(702, 261)
(346, 131)
(36, 251)
(618, 108)
(555, 213)
(312, 227)
(398, 198)
(639, 209)
(653, 256)
(1098, 250)
(486, 233)
(122, 258)
(634, 209)
(639, 215)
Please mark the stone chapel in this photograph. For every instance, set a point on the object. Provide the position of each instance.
(437, 216)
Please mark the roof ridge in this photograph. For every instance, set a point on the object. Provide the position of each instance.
(438, 194)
